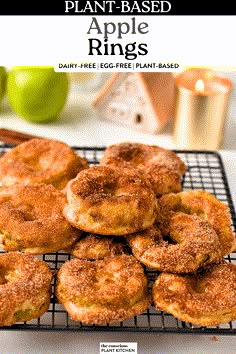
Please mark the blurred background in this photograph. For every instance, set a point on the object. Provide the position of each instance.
(138, 110)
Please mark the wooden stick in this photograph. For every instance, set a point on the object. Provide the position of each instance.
(14, 137)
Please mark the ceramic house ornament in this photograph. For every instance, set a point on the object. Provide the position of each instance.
(143, 101)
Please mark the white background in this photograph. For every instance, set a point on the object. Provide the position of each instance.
(188, 40)
(46, 40)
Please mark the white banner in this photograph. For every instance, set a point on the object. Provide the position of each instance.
(131, 43)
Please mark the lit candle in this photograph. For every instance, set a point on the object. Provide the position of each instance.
(200, 86)
(201, 108)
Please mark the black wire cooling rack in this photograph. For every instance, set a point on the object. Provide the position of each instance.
(205, 171)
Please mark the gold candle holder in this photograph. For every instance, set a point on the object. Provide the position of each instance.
(201, 106)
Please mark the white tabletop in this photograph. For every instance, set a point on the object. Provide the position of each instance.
(79, 126)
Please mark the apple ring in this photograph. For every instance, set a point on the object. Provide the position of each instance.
(207, 207)
(40, 161)
(206, 298)
(162, 168)
(100, 292)
(25, 288)
(191, 243)
(32, 220)
(95, 247)
(110, 201)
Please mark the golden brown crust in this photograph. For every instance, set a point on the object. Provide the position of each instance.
(32, 220)
(110, 201)
(25, 288)
(207, 207)
(206, 298)
(104, 291)
(40, 161)
(95, 247)
(190, 243)
(162, 168)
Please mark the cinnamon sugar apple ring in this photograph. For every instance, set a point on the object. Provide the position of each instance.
(110, 201)
(191, 243)
(162, 168)
(31, 219)
(207, 207)
(103, 291)
(25, 288)
(205, 298)
(95, 247)
(40, 161)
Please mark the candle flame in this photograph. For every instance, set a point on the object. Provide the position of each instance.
(199, 86)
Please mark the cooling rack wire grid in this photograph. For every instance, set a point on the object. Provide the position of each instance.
(205, 170)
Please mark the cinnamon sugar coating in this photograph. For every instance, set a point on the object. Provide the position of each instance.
(104, 291)
(162, 168)
(32, 220)
(205, 298)
(110, 201)
(188, 243)
(206, 206)
(40, 161)
(25, 288)
(95, 247)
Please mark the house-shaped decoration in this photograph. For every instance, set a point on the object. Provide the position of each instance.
(141, 100)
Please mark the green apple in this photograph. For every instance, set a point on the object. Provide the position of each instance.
(3, 79)
(37, 93)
